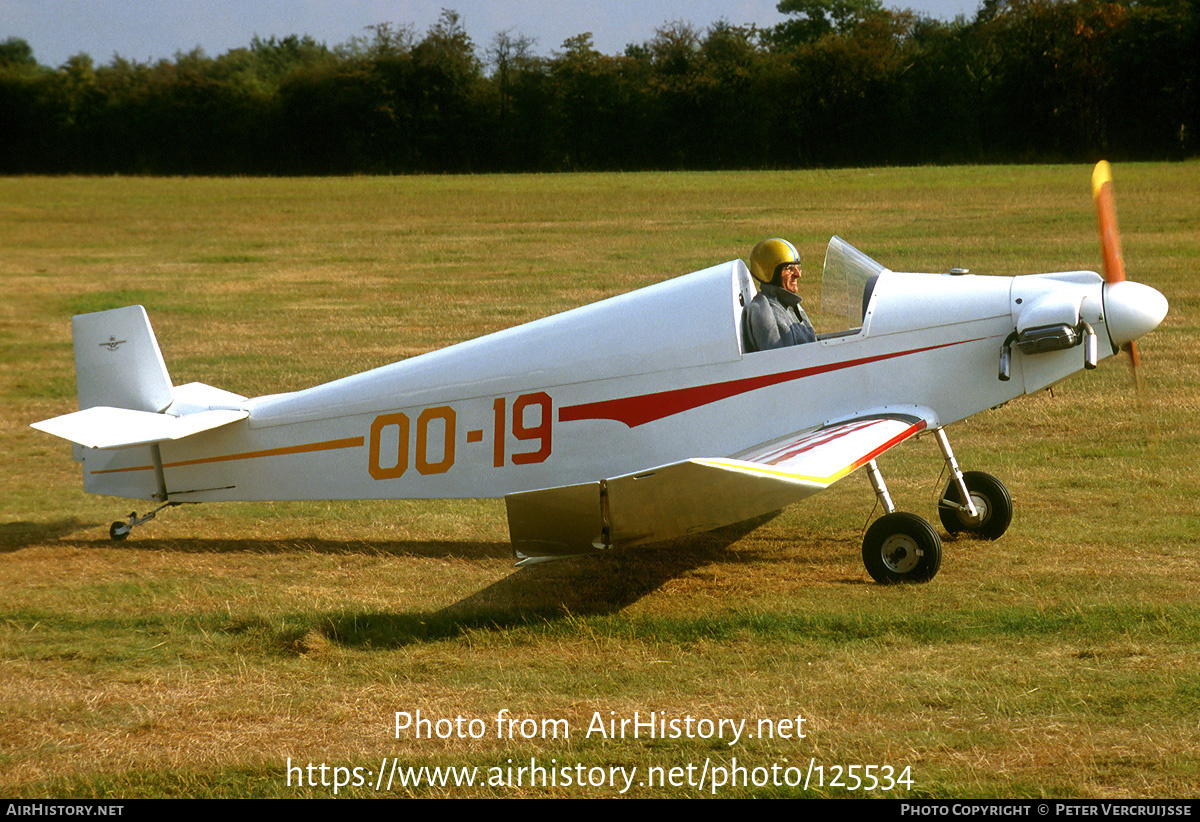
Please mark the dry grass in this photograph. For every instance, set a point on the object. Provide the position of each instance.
(197, 657)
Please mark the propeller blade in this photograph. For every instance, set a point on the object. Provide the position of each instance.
(1135, 365)
(1106, 218)
(1110, 247)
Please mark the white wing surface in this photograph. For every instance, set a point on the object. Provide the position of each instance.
(699, 494)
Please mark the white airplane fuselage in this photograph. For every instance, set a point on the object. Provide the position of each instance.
(642, 379)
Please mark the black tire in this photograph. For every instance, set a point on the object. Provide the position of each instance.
(119, 530)
(991, 499)
(902, 547)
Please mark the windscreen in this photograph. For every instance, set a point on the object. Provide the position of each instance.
(846, 281)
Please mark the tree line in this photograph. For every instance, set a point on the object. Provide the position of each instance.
(840, 82)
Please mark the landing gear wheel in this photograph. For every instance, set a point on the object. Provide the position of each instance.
(902, 547)
(991, 500)
(119, 530)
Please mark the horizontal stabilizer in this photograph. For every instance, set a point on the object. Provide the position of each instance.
(105, 427)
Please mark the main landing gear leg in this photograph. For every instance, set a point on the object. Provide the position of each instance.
(881, 492)
(899, 547)
(973, 502)
(967, 508)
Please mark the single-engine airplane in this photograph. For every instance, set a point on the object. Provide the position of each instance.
(637, 419)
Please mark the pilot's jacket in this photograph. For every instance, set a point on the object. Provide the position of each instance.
(776, 319)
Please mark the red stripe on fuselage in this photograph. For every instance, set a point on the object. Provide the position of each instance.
(639, 410)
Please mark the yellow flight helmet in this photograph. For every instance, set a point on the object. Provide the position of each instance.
(769, 255)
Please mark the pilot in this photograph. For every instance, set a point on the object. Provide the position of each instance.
(775, 318)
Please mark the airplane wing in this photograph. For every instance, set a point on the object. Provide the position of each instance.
(698, 494)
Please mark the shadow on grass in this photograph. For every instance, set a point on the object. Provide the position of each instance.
(600, 584)
(17, 535)
(539, 594)
(432, 549)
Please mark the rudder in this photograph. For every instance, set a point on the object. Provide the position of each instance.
(118, 362)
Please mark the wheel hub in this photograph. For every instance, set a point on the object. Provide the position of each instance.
(900, 553)
(981, 508)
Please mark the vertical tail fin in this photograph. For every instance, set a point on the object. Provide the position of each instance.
(117, 361)
(124, 388)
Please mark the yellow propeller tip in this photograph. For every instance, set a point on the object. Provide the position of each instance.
(1100, 175)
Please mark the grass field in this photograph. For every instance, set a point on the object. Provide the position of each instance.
(222, 642)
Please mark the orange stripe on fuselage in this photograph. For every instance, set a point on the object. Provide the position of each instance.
(329, 445)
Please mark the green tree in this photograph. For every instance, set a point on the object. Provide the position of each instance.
(446, 98)
(813, 19)
(28, 109)
(520, 83)
(16, 54)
